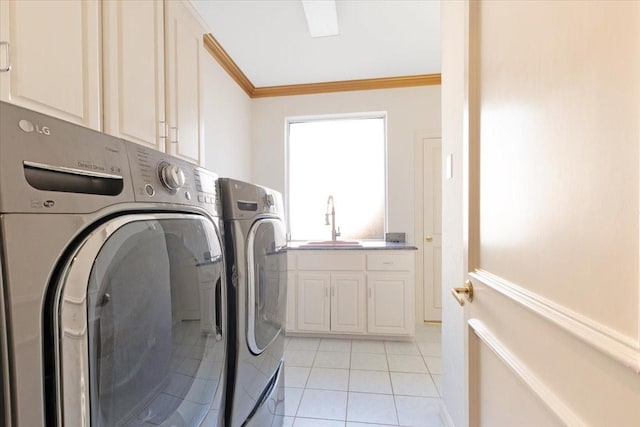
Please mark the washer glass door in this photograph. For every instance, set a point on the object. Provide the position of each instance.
(267, 287)
(143, 344)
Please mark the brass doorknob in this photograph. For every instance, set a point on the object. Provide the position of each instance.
(428, 238)
(459, 293)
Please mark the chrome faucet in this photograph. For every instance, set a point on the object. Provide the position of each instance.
(334, 233)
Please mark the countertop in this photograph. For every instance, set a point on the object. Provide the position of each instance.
(366, 245)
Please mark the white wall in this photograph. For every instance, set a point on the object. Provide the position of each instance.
(227, 110)
(408, 110)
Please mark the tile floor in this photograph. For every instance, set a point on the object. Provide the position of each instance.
(359, 383)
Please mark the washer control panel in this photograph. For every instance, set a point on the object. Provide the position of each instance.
(159, 177)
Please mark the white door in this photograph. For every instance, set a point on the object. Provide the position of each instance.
(347, 302)
(133, 52)
(313, 301)
(432, 228)
(50, 58)
(184, 83)
(541, 113)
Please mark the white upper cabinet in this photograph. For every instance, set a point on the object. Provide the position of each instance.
(134, 84)
(145, 55)
(184, 49)
(153, 92)
(53, 49)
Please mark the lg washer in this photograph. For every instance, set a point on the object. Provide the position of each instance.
(113, 281)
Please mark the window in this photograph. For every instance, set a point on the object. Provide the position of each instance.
(343, 157)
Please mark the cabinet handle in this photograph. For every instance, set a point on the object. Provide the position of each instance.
(174, 140)
(332, 291)
(326, 292)
(369, 292)
(164, 130)
(7, 57)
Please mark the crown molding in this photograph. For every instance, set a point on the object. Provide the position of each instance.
(347, 85)
(223, 58)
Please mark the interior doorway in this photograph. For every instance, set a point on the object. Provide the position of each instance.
(428, 225)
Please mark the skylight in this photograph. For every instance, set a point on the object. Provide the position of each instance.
(322, 17)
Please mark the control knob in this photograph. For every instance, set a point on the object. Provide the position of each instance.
(171, 176)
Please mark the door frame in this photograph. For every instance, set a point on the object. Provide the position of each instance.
(418, 208)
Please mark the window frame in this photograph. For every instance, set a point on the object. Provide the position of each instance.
(333, 117)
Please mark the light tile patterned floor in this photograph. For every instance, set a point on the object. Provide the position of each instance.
(359, 383)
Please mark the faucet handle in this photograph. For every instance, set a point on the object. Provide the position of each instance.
(338, 232)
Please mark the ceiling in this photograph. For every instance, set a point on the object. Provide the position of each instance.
(270, 42)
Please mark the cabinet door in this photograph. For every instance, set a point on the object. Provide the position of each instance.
(390, 303)
(291, 301)
(313, 301)
(54, 51)
(347, 303)
(184, 49)
(133, 36)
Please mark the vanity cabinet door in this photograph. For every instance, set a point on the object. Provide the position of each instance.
(292, 309)
(347, 302)
(313, 301)
(390, 303)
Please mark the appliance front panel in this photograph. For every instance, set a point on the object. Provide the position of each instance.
(141, 338)
(4, 363)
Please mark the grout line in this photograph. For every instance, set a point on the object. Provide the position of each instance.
(351, 367)
(346, 406)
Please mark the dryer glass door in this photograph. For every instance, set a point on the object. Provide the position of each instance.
(267, 287)
(145, 329)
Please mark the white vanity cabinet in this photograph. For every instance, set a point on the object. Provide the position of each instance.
(351, 292)
(330, 292)
(50, 58)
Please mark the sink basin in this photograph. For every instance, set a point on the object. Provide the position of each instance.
(334, 243)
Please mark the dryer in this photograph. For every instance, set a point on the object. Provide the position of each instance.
(113, 280)
(255, 240)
